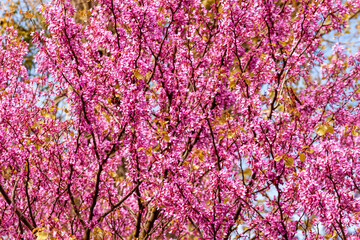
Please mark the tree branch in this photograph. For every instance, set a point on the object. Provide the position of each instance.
(17, 212)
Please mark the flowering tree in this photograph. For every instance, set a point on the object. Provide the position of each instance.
(181, 120)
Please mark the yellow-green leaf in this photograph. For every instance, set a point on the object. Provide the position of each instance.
(283, 43)
(42, 235)
(230, 134)
(289, 161)
(321, 130)
(166, 137)
(222, 121)
(278, 158)
(302, 157)
(113, 174)
(148, 75)
(37, 146)
(232, 84)
(138, 75)
(196, 167)
(220, 9)
(247, 172)
(107, 116)
(330, 128)
(148, 151)
(201, 156)
(281, 108)
(310, 150)
(331, 235)
(271, 94)
(355, 133)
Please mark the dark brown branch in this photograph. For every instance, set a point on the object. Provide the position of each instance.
(120, 202)
(17, 212)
